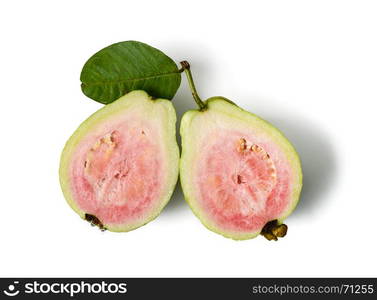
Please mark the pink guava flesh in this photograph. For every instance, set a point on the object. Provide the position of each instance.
(116, 172)
(244, 181)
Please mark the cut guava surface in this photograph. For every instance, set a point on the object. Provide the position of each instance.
(239, 174)
(120, 167)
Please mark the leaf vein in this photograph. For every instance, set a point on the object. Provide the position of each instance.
(128, 79)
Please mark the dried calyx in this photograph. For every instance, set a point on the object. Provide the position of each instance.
(94, 221)
(272, 230)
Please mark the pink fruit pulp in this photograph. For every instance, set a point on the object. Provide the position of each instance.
(117, 171)
(244, 181)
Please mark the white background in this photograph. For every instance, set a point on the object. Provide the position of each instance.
(309, 67)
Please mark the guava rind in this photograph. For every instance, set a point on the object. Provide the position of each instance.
(121, 106)
(224, 106)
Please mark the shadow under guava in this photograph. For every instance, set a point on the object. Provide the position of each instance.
(318, 159)
(313, 144)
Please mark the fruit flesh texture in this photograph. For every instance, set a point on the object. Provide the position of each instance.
(121, 164)
(237, 171)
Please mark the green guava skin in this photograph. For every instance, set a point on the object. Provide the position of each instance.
(189, 156)
(122, 106)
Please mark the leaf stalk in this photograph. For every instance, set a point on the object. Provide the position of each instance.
(186, 68)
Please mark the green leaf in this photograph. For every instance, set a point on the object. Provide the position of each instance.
(127, 66)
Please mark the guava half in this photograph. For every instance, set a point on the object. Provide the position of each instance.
(119, 168)
(239, 174)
